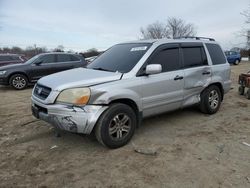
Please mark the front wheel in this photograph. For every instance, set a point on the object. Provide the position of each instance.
(116, 126)
(18, 81)
(236, 62)
(210, 100)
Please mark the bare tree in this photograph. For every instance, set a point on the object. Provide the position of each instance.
(174, 27)
(59, 48)
(179, 28)
(246, 13)
(246, 29)
(91, 52)
(155, 30)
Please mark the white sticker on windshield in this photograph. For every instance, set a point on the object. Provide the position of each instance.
(141, 48)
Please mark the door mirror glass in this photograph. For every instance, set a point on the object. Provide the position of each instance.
(153, 69)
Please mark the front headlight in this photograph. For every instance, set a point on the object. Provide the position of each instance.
(2, 72)
(77, 96)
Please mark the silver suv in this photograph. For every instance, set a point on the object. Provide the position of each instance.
(131, 81)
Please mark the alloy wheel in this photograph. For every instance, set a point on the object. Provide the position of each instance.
(119, 126)
(19, 82)
(213, 99)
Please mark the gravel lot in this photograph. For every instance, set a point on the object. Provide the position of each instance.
(193, 149)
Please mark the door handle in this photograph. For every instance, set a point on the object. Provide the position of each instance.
(178, 77)
(206, 73)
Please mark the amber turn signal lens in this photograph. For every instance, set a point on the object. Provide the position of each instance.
(82, 100)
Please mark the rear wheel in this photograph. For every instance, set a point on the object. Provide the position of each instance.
(210, 100)
(248, 94)
(241, 90)
(18, 81)
(116, 126)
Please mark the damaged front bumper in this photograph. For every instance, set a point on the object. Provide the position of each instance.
(69, 118)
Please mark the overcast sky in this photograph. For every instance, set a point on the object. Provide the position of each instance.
(81, 24)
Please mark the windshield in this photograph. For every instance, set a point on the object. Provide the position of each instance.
(121, 57)
(31, 60)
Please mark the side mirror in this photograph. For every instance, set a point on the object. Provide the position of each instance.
(153, 69)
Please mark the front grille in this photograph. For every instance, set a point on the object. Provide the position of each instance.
(41, 92)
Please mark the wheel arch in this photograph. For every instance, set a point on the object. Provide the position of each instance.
(219, 85)
(19, 72)
(131, 104)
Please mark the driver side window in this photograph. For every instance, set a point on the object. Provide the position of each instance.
(168, 58)
(47, 59)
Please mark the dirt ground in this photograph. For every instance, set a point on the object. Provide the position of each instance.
(193, 149)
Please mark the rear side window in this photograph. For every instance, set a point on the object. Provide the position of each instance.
(5, 58)
(194, 57)
(216, 54)
(63, 58)
(15, 58)
(168, 59)
(74, 58)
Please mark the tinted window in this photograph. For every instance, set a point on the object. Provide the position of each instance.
(63, 58)
(194, 56)
(216, 54)
(168, 59)
(47, 58)
(15, 58)
(121, 57)
(74, 58)
(5, 58)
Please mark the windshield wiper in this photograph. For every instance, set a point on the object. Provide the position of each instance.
(102, 69)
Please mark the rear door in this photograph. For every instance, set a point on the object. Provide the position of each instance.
(164, 91)
(197, 72)
(67, 61)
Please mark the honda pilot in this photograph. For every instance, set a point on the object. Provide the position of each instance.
(131, 81)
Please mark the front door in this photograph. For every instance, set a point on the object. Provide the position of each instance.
(164, 91)
(47, 65)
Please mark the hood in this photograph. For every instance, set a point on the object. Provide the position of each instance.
(13, 66)
(79, 77)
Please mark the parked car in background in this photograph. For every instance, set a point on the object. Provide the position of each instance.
(131, 81)
(9, 59)
(233, 57)
(20, 75)
(90, 59)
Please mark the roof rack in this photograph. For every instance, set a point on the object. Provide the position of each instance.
(197, 38)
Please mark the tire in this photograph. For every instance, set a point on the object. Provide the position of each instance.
(110, 131)
(248, 94)
(241, 90)
(236, 62)
(210, 100)
(18, 81)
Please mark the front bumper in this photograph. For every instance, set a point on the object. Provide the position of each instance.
(4, 80)
(69, 118)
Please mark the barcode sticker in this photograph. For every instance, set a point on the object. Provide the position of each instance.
(141, 48)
